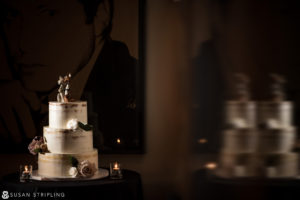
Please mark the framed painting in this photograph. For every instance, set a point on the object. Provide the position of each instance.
(100, 43)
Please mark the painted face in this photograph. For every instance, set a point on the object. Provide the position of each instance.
(47, 38)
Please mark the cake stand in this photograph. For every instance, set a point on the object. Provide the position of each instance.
(101, 173)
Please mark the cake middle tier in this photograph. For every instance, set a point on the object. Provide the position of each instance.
(242, 140)
(58, 165)
(68, 140)
(276, 140)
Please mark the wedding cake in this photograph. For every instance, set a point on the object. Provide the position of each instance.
(66, 148)
(259, 136)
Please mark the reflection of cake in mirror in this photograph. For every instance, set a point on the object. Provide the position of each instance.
(66, 148)
(277, 134)
(259, 137)
(239, 136)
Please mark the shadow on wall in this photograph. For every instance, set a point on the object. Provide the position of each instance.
(208, 92)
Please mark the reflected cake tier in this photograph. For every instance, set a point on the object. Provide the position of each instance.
(278, 164)
(237, 165)
(60, 113)
(277, 140)
(58, 165)
(278, 112)
(243, 140)
(239, 111)
(68, 140)
(266, 165)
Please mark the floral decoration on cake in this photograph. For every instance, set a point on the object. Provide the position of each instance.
(75, 124)
(38, 145)
(84, 169)
(72, 124)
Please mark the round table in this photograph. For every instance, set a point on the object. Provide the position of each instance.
(206, 185)
(129, 187)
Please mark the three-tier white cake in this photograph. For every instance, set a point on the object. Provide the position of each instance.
(65, 141)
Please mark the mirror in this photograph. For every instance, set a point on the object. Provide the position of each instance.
(101, 43)
(240, 39)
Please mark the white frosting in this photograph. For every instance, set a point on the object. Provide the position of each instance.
(238, 123)
(61, 113)
(278, 112)
(230, 165)
(273, 123)
(59, 165)
(239, 171)
(239, 141)
(243, 111)
(65, 139)
(284, 164)
(270, 172)
(68, 140)
(276, 140)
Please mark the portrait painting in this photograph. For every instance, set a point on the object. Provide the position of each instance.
(100, 43)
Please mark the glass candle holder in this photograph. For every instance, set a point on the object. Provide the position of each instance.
(115, 170)
(25, 173)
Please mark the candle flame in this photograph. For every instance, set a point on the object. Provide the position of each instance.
(202, 141)
(26, 168)
(116, 166)
(118, 140)
(211, 165)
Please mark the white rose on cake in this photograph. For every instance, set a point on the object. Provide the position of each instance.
(273, 123)
(238, 123)
(73, 171)
(72, 124)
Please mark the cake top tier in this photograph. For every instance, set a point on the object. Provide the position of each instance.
(241, 87)
(68, 104)
(61, 113)
(277, 93)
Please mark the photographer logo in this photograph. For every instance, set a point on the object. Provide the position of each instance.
(5, 195)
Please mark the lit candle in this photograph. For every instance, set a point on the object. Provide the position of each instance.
(115, 170)
(25, 173)
(116, 166)
(211, 165)
(202, 141)
(118, 141)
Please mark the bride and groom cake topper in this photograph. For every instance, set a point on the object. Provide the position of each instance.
(64, 88)
(276, 87)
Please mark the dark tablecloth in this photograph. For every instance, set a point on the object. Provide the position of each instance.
(207, 186)
(130, 187)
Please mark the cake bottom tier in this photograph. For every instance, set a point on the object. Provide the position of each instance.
(58, 165)
(258, 165)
